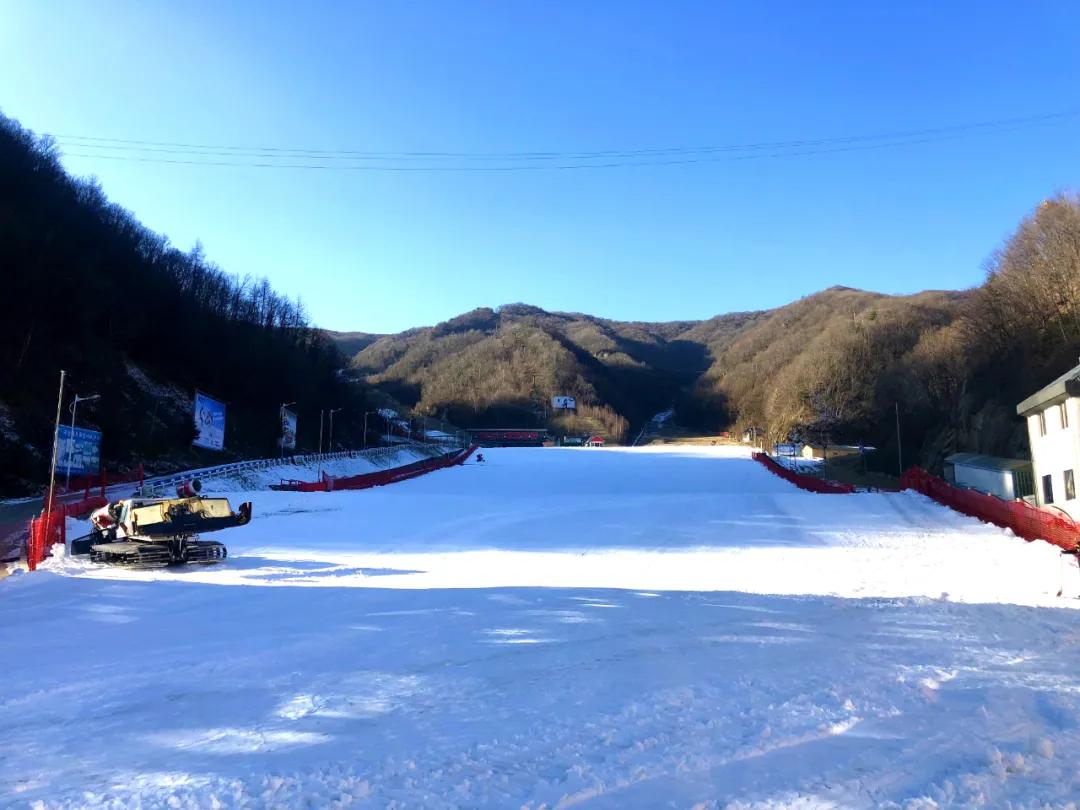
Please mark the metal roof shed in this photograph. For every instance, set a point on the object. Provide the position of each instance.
(1007, 478)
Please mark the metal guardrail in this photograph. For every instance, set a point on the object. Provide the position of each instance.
(11, 546)
(381, 456)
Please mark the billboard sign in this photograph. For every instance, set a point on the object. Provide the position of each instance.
(564, 403)
(288, 429)
(79, 451)
(209, 422)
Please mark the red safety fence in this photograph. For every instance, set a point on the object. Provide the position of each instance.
(1025, 520)
(807, 482)
(49, 528)
(45, 531)
(84, 507)
(104, 479)
(377, 479)
(295, 485)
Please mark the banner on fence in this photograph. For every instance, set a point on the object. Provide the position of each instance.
(288, 429)
(209, 422)
(78, 452)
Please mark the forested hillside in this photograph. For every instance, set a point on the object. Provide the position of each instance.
(835, 366)
(145, 324)
(501, 367)
(131, 317)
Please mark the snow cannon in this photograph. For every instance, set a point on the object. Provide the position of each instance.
(188, 489)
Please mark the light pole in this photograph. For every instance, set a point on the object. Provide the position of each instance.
(281, 426)
(321, 412)
(331, 442)
(899, 446)
(71, 436)
(366, 414)
(52, 464)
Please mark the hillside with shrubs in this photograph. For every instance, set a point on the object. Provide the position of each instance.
(838, 366)
(143, 323)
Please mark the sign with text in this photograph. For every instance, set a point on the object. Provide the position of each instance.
(209, 422)
(79, 451)
(288, 429)
(564, 403)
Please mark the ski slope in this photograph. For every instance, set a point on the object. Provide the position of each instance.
(609, 628)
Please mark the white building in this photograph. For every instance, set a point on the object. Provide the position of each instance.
(1053, 421)
(1007, 478)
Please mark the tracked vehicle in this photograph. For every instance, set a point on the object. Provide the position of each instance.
(153, 532)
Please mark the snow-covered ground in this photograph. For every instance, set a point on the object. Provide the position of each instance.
(655, 627)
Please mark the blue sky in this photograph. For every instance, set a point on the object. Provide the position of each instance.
(382, 251)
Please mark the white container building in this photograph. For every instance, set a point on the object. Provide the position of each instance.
(1007, 478)
(1053, 421)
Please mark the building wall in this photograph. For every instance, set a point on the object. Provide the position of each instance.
(996, 482)
(1057, 451)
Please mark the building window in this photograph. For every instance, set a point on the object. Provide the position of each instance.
(1042, 423)
(1070, 486)
(1048, 489)
(1064, 414)
(1023, 483)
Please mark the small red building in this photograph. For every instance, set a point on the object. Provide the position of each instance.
(595, 441)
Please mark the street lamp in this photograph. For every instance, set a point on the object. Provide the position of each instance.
(281, 425)
(52, 462)
(321, 412)
(365, 426)
(71, 436)
(331, 442)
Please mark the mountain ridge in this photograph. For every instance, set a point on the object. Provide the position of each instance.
(624, 371)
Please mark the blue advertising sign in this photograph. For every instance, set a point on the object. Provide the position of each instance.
(288, 429)
(79, 451)
(209, 422)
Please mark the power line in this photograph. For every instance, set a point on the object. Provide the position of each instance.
(510, 168)
(605, 159)
(549, 155)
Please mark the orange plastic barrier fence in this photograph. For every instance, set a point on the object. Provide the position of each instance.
(807, 482)
(1022, 518)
